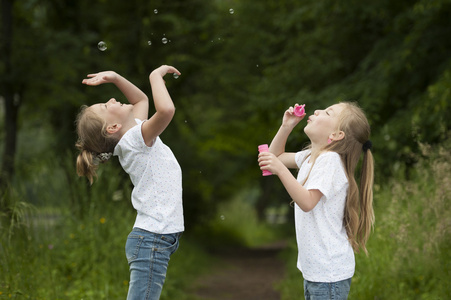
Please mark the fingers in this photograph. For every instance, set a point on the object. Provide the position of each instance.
(176, 71)
(264, 158)
(169, 69)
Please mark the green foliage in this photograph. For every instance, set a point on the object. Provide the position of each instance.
(240, 71)
(409, 250)
(236, 224)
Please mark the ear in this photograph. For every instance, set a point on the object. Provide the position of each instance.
(113, 128)
(337, 136)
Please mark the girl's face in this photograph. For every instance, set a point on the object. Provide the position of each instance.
(113, 112)
(323, 124)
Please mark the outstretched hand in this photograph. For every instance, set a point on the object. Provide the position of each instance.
(100, 78)
(165, 69)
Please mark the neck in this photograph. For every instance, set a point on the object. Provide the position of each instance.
(126, 126)
(316, 148)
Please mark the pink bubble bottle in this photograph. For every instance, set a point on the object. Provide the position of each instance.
(264, 148)
(299, 110)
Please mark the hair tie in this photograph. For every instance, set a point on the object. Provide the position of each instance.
(102, 157)
(367, 145)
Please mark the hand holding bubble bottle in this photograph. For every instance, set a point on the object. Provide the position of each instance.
(299, 111)
(264, 148)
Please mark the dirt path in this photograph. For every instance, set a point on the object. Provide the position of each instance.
(244, 274)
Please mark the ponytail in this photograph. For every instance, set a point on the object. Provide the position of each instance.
(95, 144)
(358, 215)
(366, 219)
(86, 166)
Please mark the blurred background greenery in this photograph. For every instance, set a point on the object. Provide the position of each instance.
(243, 63)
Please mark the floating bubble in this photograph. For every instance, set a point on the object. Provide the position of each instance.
(222, 217)
(149, 42)
(176, 75)
(164, 40)
(231, 11)
(155, 11)
(102, 46)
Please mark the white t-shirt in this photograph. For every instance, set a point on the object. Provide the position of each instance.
(325, 254)
(157, 180)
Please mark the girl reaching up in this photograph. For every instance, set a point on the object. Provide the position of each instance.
(124, 130)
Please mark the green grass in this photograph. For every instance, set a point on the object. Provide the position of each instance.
(73, 248)
(84, 260)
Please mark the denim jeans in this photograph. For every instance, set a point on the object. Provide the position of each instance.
(148, 258)
(327, 290)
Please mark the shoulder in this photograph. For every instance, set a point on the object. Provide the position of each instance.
(301, 156)
(329, 155)
(132, 139)
(329, 160)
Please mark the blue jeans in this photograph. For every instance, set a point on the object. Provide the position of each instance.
(148, 257)
(327, 290)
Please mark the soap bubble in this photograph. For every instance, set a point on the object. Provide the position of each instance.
(155, 11)
(102, 46)
(231, 11)
(149, 42)
(222, 217)
(176, 75)
(164, 40)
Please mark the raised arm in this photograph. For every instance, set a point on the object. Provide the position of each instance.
(164, 106)
(134, 95)
(278, 161)
(277, 146)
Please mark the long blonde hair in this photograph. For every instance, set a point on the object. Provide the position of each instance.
(358, 214)
(93, 140)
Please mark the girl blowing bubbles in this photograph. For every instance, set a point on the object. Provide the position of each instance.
(123, 130)
(333, 216)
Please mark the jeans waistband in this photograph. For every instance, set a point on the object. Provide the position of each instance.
(136, 229)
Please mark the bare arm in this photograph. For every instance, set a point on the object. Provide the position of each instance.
(277, 147)
(280, 139)
(164, 106)
(278, 161)
(134, 95)
(305, 199)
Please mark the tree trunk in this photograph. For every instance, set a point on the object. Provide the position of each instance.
(10, 105)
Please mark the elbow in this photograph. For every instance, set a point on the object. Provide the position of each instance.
(305, 207)
(168, 111)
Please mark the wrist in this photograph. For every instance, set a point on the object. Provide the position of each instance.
(286, 128)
